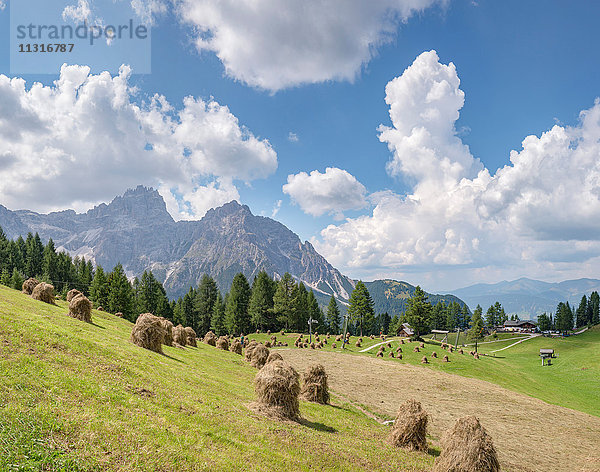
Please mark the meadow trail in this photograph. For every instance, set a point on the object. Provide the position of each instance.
(518, 342)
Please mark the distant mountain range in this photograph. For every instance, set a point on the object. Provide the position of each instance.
(136, 230)
(526, 297)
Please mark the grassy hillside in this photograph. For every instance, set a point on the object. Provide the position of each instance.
(75, 396)
(572, 381)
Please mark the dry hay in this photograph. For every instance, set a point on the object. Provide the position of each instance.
(445, 359)
(148, 332)
(236, 346)
(422, 345)
(402, 341)
(382, 349)
(389, 345)
(467, 447)
(312, 345)
(179, 335)
(399, 349)
(416, 349)
(257, 331)
(190, 336)
(314, 386)
(476, 356)
(400, 356)
(334, 345)
(44, 293)
(338, 338)
(277, 386)
(223, 343)
(391, 354)
(274, 356)
(250, 348)
(360, 340)
(210, 338)
(379, 354)
(305, 345)
(71, 294)
(267, 344)
(358, 344)
(424, 360)
(258, 356)
(410, 427)
(80, 308)
(325, 341)
(29, 285)
(461, 351)
(269, 332)
(282, 332)
(168, 327)
(434, 354)
(444, 345)
(118, 314)
(100, 308)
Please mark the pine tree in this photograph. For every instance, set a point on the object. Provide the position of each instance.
(120, 294)
(564, 317)
(476, 331)
(34, 255)
(283, 301)
(581, 313)
(206, 297)
(315, 313)
(439, 316)
(5, 277)
(333, 316)
(99, 288)
(188, 311)
(544, 322)
(300, 308)
(418, 313)
(16, 280)
(360, 308)
(492, 318)
(217, 323)
(261, 302)
(237, 319)
(49, 264)
(595, 303)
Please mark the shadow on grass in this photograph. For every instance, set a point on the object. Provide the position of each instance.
(433, 452)
(97, 325)
(317, 426)
(173, 358)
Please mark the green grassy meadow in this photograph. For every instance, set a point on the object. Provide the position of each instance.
(77, 396)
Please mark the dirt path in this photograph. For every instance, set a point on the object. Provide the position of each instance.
(518, 342)
(530, 435)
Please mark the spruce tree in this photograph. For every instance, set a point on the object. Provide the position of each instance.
(418, 313)
(315, 312)
(16, 280)
(120, 294)
(333, 316)
(261, 302)
(5, 277)
(439, 316)
(360, 308)
(283, 301)
(476, 332)
(581, 313)
(206, 297)
(237, 319)
(595, 303)
(99, 288)
(300, 308)
(217, 323)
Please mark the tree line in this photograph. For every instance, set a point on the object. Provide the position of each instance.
(567, 318)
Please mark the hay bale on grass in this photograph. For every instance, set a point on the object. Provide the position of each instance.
(314, 387)
(223, 343)
(267, 344)
(467, 447)
(179, 335)
(277, 386)
(416, 349)
(118, 314)
(358, 344)
(445, 359)
(100, 308)
(461, 351)
(422, 345)
(190, 337)
(168, 327)
(334, 345)
(389, 345)
(29, 285)
(379, 354)
(258, 356)
(274, 356)
(44, 293)
(399, 349)
(210, 338)
(71, 294)
(250, 348)
(402, 341)
(391, 354)
(80, 308)
(476, 356)
(312, 345)
(424, 360)
(400, 356)
(148, 332)
(434, 354)
(236, 346)
(410, 427)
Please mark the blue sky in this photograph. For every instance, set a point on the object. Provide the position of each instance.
(523, 67)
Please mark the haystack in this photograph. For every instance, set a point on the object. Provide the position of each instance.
(274, 356)
(236, 346)
(416, 349)
(399, 349)
(391, 354)
(461, 351)
(334, 345)
(400, 356)
(168, 327)
(71, 294)
(424, 360)
(44, 293)
(314, 387)
(148, 332)
(179, 335)
(422, 345)
(80, 308)
(445, 359)
(100, 308)
(467, 448)
(476, 356)
(410, 427)
(358, 344)
(379, 354)
(210, 338)
(258, 356)
(118, 314)
(190, 337)
(312, 345)
(267, 344)
(277, 387)
(223, 343)
(434, 354)
(29, 285)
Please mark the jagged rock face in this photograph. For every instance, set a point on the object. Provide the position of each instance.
(136, 230)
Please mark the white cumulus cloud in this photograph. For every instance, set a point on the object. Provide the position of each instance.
(271, 47)
(78, 13)
(86, 138)
(332, 192)
(537, 216)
